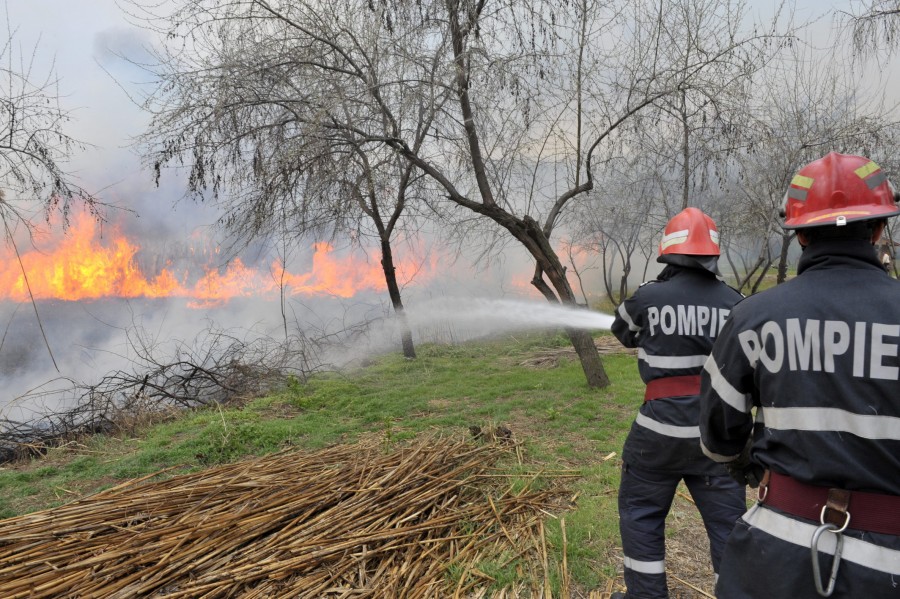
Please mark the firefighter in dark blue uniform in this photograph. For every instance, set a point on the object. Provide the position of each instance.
(673, 322)
(801, 397)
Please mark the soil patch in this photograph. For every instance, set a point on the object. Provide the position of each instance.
(549, 358)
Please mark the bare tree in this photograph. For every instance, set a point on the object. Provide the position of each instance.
(803, 110)
(874, 26)
(695, 132)
(540, 92)
(678, 151)
(622, 220)
(277, 149)
(34, 147)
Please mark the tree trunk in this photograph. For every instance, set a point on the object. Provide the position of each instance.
(890, 248)
(526, 230)
(685, 153)
(587, 352)
(786, 238)
(548, 262)
(743, 281)
(764, 268)
(390, 277)
(623, 282)
(541, 285)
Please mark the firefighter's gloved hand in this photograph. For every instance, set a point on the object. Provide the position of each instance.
(744, 471)
(749, 475)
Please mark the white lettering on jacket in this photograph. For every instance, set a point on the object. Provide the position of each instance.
(870, 350)
(688, 320)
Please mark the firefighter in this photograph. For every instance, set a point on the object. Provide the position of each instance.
(673, 321)
(800, 397)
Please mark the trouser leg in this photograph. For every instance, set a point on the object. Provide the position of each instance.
(644, 501)
(721, 501)
(768, 555)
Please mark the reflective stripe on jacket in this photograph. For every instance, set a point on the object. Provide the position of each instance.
(673, 322)
(815, 362)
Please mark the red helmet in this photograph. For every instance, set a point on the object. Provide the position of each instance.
(838, 189)
(692, 233)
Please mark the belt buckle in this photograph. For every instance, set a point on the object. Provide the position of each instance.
(834, 527)
(762, 491)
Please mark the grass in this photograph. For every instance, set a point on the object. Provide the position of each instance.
(561, 423)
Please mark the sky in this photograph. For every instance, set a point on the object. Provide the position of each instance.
(83, 41)
(80, 36)
(83, 37)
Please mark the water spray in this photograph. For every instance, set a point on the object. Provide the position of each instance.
(498, 315)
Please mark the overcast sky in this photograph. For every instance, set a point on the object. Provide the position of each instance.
(83, 36)
(74, 32)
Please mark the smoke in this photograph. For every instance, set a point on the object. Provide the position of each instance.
(90, 339)
(102, 81)
(459, 319)
(86, 340)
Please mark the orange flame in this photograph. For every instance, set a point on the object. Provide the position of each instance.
(341, 276)
(77, 266)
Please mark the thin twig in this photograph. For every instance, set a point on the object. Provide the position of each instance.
(687, 584)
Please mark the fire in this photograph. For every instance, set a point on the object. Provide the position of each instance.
(79, 266)
(341, 276)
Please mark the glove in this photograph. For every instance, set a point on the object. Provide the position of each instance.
(743, 470)
(749, 474)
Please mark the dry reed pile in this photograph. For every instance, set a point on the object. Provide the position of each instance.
(347, 521)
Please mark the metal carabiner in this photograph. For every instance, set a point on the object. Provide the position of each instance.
(836, 562)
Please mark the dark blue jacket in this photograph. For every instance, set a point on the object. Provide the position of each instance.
(816, 359)
(673, 322)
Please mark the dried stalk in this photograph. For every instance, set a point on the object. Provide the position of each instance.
(345, 521)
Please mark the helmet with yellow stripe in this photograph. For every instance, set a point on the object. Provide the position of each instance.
(691, 233)
(838, 189)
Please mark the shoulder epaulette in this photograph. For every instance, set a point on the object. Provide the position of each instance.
(648, 282)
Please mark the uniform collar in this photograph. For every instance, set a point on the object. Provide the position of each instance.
(839, 253)
(707, 263)
(673, 270)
